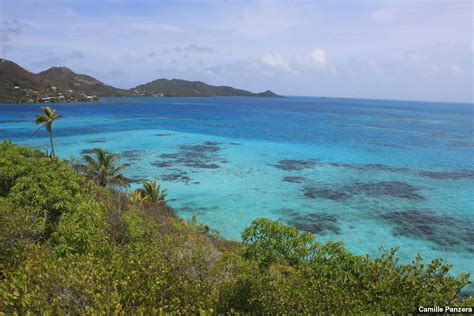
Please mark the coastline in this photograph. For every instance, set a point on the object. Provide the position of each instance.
(98, 99)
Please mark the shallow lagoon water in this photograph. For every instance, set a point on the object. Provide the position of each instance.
(368, 172)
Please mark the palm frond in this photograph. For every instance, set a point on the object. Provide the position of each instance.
(46, 120)
(152, 191)
(101, 167)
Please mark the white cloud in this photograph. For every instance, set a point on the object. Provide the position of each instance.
(276, 60)
(385, 15)
(319, 56)
(447, 69)
(314, 60)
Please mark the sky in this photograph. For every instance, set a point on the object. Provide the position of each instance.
(416, 50)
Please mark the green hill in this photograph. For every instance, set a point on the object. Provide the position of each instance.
(83, 84)
(184, 88)
(59, 84)
(20, 85)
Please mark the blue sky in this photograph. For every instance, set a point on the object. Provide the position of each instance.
(419, 50)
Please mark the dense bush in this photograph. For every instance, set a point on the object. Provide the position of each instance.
(71, 246)
(300, 271)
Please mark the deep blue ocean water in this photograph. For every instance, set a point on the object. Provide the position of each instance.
(370, 173)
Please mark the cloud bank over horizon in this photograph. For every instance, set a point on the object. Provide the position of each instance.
(419, 50)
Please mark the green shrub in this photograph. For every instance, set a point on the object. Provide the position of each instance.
(14, 162)
(18, 229)
(136, 228)
(272, 242)
(76, 284)
(82, 230)
(299, 272)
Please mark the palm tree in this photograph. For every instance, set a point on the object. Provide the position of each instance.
(151, 191)
(46, 120)
(102, 168)
(136, 198)
(203, 228)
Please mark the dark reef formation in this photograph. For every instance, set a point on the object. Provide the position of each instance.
(200, 156)
(448, 175)
(443, 230)
(296, 165)
(395, 189)
(316, 223)
(294, 179)
(131, 155)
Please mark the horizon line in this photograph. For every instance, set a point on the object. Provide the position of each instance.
(265, 89)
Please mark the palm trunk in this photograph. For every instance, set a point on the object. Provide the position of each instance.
(52, 145)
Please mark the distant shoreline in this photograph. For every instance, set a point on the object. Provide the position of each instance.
(17, 85)
(144, 96)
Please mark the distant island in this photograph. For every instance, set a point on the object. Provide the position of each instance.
(61, 84)
(184, 88)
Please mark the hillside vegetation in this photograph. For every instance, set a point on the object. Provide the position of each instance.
(184, 88)
(20, 85)
(81, 83)
(61, 84)
(71, 244)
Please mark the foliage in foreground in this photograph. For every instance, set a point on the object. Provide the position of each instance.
(69, 245)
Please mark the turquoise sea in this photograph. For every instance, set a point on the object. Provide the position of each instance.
(370, 173)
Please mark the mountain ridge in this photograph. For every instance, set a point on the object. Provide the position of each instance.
(61, 84)
(184, 88)
(81, 83)
(18, 85)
